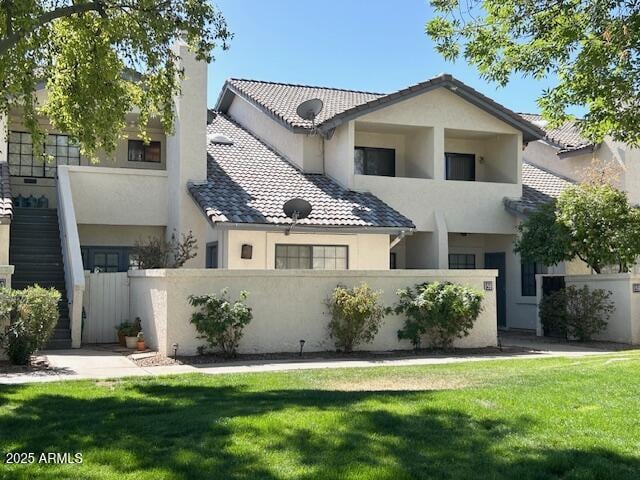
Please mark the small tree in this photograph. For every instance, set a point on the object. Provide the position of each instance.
(576, 313)
(32, 315)
(593, 222)
(219, 321)
(443, 310)
(160, 253)
(356, 315)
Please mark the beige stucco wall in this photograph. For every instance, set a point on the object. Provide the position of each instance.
(473, 207)
(186, 151)
(339, 155)
(113, 196)
(366, 251)
(117, 235)
(4, 243)
(304, 151)
(287, 306)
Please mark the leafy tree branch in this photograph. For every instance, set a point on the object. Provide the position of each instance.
(98, 61)
(590, 46)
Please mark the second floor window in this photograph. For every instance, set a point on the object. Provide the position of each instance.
(139, 152)
(23, 162)
(461, 166)
(375, 161)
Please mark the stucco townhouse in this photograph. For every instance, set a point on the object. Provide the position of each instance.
(428, 177)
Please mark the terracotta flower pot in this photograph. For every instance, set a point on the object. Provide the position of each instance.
(141, 346)
(121, 341)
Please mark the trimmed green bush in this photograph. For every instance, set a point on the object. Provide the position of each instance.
(356, 315)
(576, 313)
(31, 315)
(219, 321)
(442, 310)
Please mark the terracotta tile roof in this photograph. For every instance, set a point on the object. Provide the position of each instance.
(6, 202)
(249, 183)
(280, 100)
(539, 186)
(567, 137)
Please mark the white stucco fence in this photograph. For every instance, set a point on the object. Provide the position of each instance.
(624, 324)
(287, 306)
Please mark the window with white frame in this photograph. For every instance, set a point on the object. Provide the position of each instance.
(314, 257)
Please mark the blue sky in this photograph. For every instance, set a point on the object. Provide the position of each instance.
(371, 45)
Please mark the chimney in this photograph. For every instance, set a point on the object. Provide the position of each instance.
(187, 152)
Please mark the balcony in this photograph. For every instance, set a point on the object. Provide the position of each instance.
(118, 196)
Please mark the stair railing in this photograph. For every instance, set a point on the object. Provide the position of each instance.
(71, 254)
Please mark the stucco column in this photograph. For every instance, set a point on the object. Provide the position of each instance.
(438, 153)
(4, 138)
(441, 237)
(187, 153)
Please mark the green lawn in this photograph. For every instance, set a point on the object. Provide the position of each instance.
(524, 419)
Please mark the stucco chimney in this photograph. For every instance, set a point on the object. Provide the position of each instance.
(186, 151)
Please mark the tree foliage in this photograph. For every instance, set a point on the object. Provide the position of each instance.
(576, 313)
(100, 59)
(591, 46)
(592, 222)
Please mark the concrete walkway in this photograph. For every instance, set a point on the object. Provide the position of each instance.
(98, 362)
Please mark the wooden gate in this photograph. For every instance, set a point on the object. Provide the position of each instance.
(106, 304)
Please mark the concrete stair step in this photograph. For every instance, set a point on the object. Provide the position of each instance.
(58, 344)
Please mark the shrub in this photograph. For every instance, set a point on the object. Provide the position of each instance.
(356, 315)
(160, 253)
(32, 315)
(576, 313)
(219, 321)
(443, 310)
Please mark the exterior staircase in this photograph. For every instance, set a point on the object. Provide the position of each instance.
(35, 252)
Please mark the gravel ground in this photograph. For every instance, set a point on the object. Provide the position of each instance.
(156, 360)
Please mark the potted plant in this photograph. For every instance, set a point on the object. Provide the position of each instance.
(131, 336)
(140, 345)
(121, 330)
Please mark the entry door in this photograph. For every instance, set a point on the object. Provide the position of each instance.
(496, 261)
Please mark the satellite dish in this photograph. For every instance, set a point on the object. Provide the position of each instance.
(309, 109)
(296, 209)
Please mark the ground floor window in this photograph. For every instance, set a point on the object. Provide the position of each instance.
(463, 261)
(315, 257)
(108, 259)
(528, 273)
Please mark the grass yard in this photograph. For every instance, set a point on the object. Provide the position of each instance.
(522, 419)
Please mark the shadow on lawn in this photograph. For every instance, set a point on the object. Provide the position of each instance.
(188, 432)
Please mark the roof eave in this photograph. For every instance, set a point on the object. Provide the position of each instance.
(315, 228)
